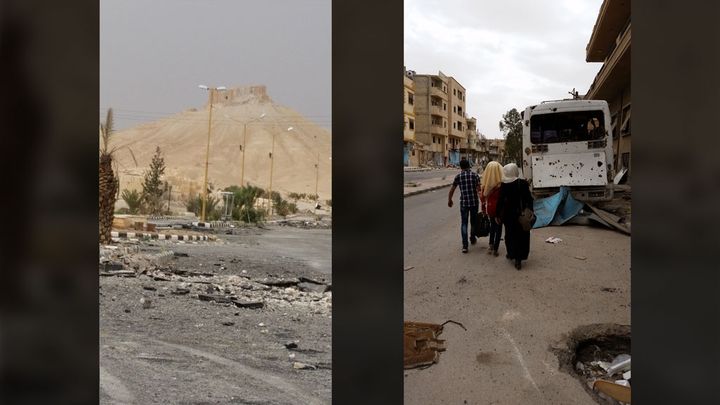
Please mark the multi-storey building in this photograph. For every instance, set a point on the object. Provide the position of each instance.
(432, 118)
(469, 146)
(610, 44)
(410, 152)
(440, 119)
(496, 150)
(457, 131)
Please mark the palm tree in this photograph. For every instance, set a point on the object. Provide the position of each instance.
(109, 181)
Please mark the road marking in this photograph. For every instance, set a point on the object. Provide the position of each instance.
(258, 375)
(115, 389)
(520, 358)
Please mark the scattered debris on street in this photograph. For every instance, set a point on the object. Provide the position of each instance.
(553, 240)
(599, 355)
(421, 344)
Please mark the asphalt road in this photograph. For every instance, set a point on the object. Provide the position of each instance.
(181, 350)
(513, 318)
(431, 174)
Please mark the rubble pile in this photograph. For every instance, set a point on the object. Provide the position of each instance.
(241, 291)
(604, 364)
(305, 223)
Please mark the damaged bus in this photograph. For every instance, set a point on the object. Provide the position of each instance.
(569, 143)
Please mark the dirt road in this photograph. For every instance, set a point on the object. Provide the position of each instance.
(513, 318)
(178, 349)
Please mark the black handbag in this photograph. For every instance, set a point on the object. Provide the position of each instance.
(526, 218)
(482, 227)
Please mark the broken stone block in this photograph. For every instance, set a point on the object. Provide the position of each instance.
(112, 266)
(248, 304)
(302, 366)
(312, 287)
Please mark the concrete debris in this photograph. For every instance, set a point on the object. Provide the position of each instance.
(234, 290)
(278, 282)
(305, 224)
(228, 323)
(409, 268)
(311, 287)
(119, 273)
(620, 364)
(553, 240)
(291, 345)
(111, 266)
(145, 302)
(302, 366)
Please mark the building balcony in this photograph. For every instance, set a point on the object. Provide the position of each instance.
(437, 110)
(437, 92)
(409, 135)
(438, 130)
(615, 72)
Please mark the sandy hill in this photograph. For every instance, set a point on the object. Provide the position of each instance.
(182, 139)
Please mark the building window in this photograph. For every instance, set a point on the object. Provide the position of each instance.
(412, 124)
(454, 92)
(453, 125)
(413, 152)
(444, 107)
(460, 95)
(411, 98)
(454, 109)
(626, 160)
(625, 128)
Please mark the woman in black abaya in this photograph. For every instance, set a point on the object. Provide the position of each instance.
(514, 197)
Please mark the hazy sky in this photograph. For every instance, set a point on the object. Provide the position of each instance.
(153, 54)
(507, 54)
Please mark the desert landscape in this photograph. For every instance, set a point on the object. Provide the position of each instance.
(299, 145)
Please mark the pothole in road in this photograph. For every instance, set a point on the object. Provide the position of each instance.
(590, 352)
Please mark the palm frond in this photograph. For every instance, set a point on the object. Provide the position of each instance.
(109, 123)
(106, 129)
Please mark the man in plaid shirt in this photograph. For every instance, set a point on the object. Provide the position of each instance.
(469, 183)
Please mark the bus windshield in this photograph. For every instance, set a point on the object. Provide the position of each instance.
(575, 126)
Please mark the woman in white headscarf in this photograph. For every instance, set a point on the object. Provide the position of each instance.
(489, 195)
(514, 197)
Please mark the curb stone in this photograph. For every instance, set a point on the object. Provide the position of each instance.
(158, 236)
(411, 193)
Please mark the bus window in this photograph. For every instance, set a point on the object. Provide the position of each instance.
(575, 126)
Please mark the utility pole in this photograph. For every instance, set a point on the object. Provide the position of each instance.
(211, 93)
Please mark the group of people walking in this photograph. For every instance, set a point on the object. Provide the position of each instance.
(501, 195)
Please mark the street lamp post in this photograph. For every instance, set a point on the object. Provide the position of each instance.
(272, 161)
(211, 93)
(244, 144)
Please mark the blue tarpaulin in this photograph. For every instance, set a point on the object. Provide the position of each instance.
(556, 209)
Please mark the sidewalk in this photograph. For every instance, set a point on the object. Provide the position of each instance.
(422, 186)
